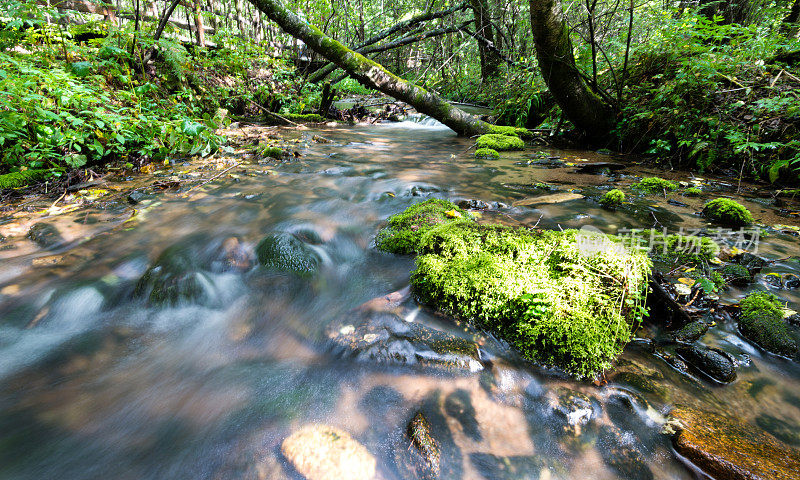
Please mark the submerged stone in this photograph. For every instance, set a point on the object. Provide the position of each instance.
(45, 235)
(321, 452)
(175, 276)
(386, 338)
(762, 322)
(540, 290)
(780, 429)
(286, 253)
(714, 363)
(725, 447)
(621, 456)
(420, 456)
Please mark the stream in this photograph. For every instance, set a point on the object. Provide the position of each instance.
(97, 381)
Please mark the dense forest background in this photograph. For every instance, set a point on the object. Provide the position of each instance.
(708, 85)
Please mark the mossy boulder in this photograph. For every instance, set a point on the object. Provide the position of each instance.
(487, 153)
(728, 448)
(520, 132)
(736, 274)
(727, 212)
(176, 276)
(762, 322)
(404, 230)
(612, 198)
(711, 362)
(562, 298)
(273, 152)
(655, 185)
(692, 192)
(286, 253)
(499, 142)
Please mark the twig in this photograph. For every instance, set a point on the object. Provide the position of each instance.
(186, 193)
(272, 114)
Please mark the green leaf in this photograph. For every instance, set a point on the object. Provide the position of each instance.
(80, 69)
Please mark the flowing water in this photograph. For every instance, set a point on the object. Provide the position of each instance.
(97, 382)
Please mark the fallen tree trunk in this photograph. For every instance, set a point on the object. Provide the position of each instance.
(587, 111)
(404, 26)
(370, 73)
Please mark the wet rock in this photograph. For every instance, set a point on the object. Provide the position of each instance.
(728, 448)
(599, 167)
(509, 468)
(774, 280)
(286, 253)
(420, 455)
(548, 199)
(621, 455)
(791, 281)
(473, 205)
(574, 408)
(691, 332)
(780, 429)
(45, 235)
(753, 263)
(136, 197)
(386, 338)
(761, 321)
(173, 278)
(458, 405)
(234, 256)
(321, 452)
(713, 363)
(641, 378)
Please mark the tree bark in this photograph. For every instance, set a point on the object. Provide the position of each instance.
(370, 73)
(587, 111)
(490, 60)
(789, 26)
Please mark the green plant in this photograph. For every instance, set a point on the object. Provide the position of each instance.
(612, 198)
(655, 185)
(727, 212)
(499, 142)
(555, 302)
(487, 153)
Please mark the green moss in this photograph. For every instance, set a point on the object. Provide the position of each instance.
(404, 230)
(669, 251)
(499, 142)
(762, 322)
(486, 153)
(692, 192)
(304, 117)
(272, 152)
(613, 198)
(23, 178)
(736, 274)
(555, 301)
(655, 185)
(727, 212)
(512, 131)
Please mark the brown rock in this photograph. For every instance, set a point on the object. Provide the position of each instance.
(320, 452)
(728, 448)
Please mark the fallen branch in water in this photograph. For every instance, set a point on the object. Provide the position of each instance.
(186, 193)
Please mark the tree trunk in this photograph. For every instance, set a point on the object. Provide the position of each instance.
(370, 73)
(490, 60)
(582, 107)
(198, 23)
(789, 27)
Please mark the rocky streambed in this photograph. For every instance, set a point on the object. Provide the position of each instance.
(237, 321)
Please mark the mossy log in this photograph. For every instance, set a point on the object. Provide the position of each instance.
(370, 73)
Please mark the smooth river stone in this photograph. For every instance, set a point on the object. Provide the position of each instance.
(321, 452)
(728, 448)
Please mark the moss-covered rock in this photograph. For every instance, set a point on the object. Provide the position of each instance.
(711, 362)
(286, 253)
(512, 131)
(404, 230)
(736, 274)
(691, 332)
(669, 251)
(761, 321)
(555, 296)
(487, 153)
(727, 212)
(612, 198)
(692, 192)
(176, 276)
(655, 185)
(499, 142)
(272, 152)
